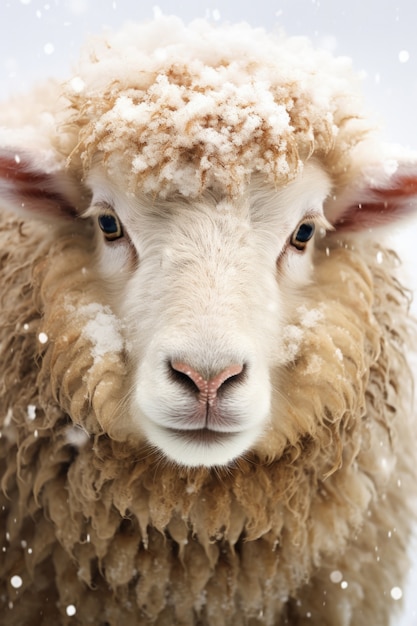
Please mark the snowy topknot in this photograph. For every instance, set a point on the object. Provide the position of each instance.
(181, 108)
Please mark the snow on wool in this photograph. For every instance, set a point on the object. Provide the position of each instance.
(205, 107)
(205, 401)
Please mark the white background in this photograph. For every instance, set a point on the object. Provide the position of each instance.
(42, 38)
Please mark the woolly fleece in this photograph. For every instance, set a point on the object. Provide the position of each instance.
(97, 524)
(93, 523)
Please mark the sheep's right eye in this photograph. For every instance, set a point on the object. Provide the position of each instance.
(110, 225)
(301, 236)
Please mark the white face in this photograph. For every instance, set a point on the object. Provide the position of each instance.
(204, 289)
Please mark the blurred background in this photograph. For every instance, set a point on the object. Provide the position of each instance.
(41, 38)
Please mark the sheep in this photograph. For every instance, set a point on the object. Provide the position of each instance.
(206, 412)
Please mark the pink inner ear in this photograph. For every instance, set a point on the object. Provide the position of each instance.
(404, 186)
(20, 171)
(32, 191)
(380, 207)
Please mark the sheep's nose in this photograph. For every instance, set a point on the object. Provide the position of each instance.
(207, 388)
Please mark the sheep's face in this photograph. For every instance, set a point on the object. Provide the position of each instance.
(203, 289)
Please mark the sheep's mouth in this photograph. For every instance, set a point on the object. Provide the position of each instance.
(202, 436)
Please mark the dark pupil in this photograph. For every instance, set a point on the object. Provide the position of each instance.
(305, 233)
(108, 224)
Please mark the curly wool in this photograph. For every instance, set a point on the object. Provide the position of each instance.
(195, 107)
(84, 513)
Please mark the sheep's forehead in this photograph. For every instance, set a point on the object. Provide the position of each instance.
(260, 203)
(183, 109)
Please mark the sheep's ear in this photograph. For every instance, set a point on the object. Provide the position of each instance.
(31, 189)
(380, 192)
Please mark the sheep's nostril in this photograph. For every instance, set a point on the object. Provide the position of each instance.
(182, 378)
(207, 388)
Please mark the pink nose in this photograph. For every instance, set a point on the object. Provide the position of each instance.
(207, 389)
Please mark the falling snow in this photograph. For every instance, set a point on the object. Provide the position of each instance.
(16, 582)
(156, 12)
(336, 577)
(404, 56)
(77, 84)
(31, 412)
(396, 593)
(49, 48)
(78, 7)
(43, 338)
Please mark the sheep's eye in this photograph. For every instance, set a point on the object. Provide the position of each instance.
(303, 234)
(110, 225)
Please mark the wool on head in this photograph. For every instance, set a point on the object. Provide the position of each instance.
(196, 107)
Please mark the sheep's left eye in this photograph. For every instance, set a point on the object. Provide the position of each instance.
(303, 234)
(110, 225)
